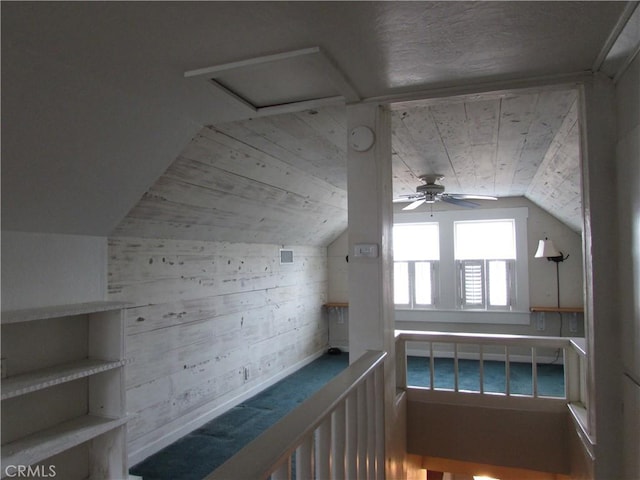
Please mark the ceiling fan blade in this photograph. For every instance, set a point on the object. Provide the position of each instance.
(414, 205)
(464, 196)
(406, 199)
(458, 201)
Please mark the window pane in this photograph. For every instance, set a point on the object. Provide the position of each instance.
(416, 241)
(490, 239)
(498, 283)
(424, 287)
(401, 283)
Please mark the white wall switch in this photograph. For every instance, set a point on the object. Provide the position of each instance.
(369, 250)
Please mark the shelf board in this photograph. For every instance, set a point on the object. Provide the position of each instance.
(558, 309)
(48, 377)
(336, 304)
(30, 314)
(46, 443)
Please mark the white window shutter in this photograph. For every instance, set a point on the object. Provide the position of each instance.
(472, 286)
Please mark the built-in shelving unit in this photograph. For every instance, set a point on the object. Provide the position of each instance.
(63, 396)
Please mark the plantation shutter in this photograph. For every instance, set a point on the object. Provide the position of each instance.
(472, 283)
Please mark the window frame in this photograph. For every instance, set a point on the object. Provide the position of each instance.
(446, 309)
(412, 285)
(411, 274)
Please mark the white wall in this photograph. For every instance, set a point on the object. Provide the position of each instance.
(41, 270)
(542, 276)
(211, 324)
(628, 178)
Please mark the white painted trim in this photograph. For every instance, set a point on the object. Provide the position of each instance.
(300, 106)
(614, 36)
(414, 352)
(234, 96)
(157, 444)
(479, 90)
(199, 72)
(336, 77)
(493, 317)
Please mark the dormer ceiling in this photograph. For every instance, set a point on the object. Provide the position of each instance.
(96, 108)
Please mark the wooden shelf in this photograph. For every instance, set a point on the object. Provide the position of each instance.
(48, 377)
(30, 314)
(336, 304)
(558, 309)
(82, 340)
(46, 443)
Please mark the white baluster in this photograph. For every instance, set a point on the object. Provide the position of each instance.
(352, 436)
(362, 431)
(379, 430)
(432, 367)
(534, 372)
(304, 459)
(481, 369)
(323, 450)
(456, 370)
(339, 442)
(507, 375)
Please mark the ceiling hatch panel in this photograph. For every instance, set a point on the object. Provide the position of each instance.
(288, 80)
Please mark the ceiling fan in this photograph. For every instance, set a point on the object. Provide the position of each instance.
(430, 192)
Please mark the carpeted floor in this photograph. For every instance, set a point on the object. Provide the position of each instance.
(197, 454)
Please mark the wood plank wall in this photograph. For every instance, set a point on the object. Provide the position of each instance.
(210, 321)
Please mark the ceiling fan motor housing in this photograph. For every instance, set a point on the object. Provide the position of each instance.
(430, 191)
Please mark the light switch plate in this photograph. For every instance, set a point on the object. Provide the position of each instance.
(369, 250)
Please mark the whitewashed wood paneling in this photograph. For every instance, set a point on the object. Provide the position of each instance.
(209, 322)
(272, 180)
(504, 145)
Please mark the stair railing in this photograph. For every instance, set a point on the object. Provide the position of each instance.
(338, 433)
(570, 352)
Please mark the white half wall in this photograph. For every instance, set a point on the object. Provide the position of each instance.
(41, 269)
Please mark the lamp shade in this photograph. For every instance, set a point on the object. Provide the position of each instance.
(547, 249)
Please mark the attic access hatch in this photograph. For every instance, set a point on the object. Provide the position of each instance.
(282, 82)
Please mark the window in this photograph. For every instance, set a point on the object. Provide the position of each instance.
(462, 266)
(485, 254)
(416, 250)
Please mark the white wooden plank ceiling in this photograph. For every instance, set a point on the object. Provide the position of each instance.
(282, 179)
(278, 180)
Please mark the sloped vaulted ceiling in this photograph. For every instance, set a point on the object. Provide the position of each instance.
(279, 180)
(282, 179)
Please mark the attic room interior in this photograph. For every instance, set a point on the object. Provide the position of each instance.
(201, 198)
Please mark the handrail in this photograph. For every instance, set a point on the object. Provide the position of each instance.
(484, 338)
(574, 365)
(273, 449)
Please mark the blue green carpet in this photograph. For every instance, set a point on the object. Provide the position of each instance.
(197, 454)
(200, 452)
